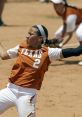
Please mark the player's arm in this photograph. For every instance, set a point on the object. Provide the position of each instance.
(55, 53)
(69, 37)
(66, 40)
(64, 29)
(11, 53)
(3, 53)
(58, 53)
(69, 25)
(64, 33)
(69, 28)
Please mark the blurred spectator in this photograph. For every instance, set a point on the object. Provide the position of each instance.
(2, 2)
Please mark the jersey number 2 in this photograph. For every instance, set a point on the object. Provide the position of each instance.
(36, 63)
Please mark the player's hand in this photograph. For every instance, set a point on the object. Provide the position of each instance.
(61, 45)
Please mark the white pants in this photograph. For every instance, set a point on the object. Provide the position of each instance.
(23, 98)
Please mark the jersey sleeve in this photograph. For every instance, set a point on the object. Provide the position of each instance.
(71, 23)
(13, 52)
(54, 53)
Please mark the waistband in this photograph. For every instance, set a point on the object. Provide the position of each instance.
(21, 89)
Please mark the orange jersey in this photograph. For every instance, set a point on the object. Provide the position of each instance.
(30, 67)
(73, 11)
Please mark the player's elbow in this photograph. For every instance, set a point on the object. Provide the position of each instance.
(4, 56)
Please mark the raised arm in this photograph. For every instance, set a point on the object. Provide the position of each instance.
(11, 53)
(3, 53)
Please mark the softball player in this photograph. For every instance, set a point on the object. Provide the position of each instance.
(33, 59)
(72, 22)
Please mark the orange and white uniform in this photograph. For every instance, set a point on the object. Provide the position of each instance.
(26, 77)
(31, 65)
(73, 19)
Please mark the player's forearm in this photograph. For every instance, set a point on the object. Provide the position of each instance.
(68, 38)
(3, 53)
(69, 52)
(64, 29)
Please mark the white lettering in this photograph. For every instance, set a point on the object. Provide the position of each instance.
(36, 63)
(32, 53)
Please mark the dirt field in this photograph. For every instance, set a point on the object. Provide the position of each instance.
(61, 92)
